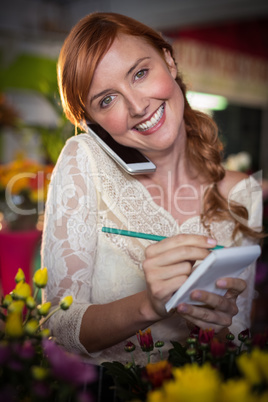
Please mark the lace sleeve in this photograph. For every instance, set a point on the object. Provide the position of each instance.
(69, 241)
(248, 192)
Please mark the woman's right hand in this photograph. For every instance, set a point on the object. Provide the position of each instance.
(168, 264)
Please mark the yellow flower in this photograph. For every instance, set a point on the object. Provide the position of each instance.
(39, 373)
(43, 309)
(40, 278)
(22, 291)
(45, 333)
(7, 300)
(181, 389)
(14, 325)
(66, 302)
(155, 396)
(31, 326)
(16, 306)
(30, 302)
(20, 276)
(254, 366)
(236, 390)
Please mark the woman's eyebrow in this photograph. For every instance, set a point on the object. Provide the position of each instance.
(108, 90)
(136, 64)
(100, 94)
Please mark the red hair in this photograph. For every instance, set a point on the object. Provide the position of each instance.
(83, 49)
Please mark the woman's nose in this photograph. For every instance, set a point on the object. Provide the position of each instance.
(137, 104)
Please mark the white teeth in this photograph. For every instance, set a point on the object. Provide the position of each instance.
(153, 121)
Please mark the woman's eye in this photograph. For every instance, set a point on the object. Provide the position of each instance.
(106, 101)
(140, 74)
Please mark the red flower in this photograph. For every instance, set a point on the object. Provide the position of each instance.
(145, 340)
(194, 332)
(129, 346)
(243, 335)
(217, 348)
(205, 336)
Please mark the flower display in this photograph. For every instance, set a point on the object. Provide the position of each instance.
(23, 192)
(204, 369)
(33, 367)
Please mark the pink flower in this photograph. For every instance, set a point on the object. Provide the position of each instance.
(61, 362)
(145, 340)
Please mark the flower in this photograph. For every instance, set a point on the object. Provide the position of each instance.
(217, 349)
(234, 391)
(31, 326)
(158, 372)
(14, 327)
(60, 363)
(43, 309)
(33, 366)
(25, 176)
(145, 340)
(205, 336)
(218, 372)
(66, 302)
(254, 366)
(22, 291)
(181, 388)
(20, 276)
(40, 278)
(129, 346)
(243, 335)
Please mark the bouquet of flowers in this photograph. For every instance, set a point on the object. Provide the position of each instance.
(204, 369)
(23, 191)
(33, 367)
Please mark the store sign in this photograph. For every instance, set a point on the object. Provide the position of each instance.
(206, 68)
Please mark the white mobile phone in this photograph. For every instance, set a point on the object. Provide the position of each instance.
(130, 159)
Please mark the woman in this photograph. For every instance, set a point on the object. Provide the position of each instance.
(120, 74)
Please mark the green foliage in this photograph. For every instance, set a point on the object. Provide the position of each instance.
(30, 72)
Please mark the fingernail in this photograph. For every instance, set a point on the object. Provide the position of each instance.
(182, 308)
(221, 283)
(211, 241)
(196, 295)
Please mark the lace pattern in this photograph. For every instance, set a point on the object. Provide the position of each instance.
(89, 191)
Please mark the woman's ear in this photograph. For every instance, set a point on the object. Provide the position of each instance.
(170, 63)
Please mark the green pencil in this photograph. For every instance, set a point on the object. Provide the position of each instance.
(140, 235)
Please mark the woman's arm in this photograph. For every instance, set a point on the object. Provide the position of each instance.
(167, 265)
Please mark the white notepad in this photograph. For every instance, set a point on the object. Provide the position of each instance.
(226, 262)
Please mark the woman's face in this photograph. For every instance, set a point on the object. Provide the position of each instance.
(134, 96)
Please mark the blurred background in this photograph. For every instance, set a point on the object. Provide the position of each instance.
(221, 48)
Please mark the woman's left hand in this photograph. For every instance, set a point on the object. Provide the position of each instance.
(218, 311)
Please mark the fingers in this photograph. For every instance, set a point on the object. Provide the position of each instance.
(180, 240)
(234, 286)
(217, 311)
(205, 318)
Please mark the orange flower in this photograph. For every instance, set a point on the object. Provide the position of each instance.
(158, 372)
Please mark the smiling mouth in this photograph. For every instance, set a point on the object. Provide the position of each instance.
(153, 120)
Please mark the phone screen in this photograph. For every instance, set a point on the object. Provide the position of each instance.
(127, 154)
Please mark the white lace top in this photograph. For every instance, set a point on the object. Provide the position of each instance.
(89, 191)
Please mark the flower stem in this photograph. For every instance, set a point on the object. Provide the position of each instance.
(35, 293)
(231, 362)
(48, 316)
